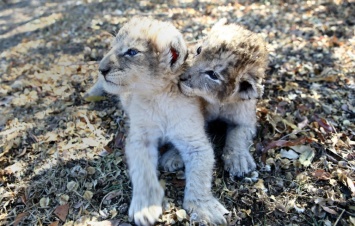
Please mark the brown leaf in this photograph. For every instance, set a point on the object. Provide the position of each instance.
(329, 210)
(62, 211)
(112, 194)
(119, 140)
(320, 174)
(54, 223)
(324, 123)
(19, 218)
(351, 186)
(287, 143)
(178, 183)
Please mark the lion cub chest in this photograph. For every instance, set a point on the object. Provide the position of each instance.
(164, 112)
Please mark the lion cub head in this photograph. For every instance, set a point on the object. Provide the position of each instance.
(229, 66)
(144, 54)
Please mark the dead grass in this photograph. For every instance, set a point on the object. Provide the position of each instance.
(62, 159)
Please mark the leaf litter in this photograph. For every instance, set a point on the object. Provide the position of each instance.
(62, 157)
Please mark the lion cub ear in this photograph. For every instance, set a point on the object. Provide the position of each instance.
(171, 47)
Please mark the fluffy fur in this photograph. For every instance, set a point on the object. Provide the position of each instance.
(143, 68)
(227, 72)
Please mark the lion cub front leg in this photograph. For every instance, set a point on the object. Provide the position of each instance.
(147, 197)
(237, 158)
(197, 154)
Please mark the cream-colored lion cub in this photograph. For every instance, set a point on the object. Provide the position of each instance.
(227, 72)
(143, 68)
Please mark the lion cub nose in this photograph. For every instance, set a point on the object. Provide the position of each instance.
(104, 71)
(185, 77)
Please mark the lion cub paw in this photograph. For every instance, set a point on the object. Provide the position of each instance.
(237, 162)
(210, 211)
(146, 207)
(171, 161)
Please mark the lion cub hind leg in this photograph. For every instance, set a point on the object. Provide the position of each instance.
(171, 160)
(237, 159)
(197, 154)
(147, 197)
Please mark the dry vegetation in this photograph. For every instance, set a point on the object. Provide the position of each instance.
(62, 158)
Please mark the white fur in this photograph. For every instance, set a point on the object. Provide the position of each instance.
(159, 112)
(237, 56)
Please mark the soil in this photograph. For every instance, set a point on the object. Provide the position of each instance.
(62, 158)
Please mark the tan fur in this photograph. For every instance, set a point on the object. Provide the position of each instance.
(147, 84)
(228, 74)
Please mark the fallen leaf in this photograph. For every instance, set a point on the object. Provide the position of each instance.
(91, 142)
(43, 202)
(329, 210)
(72, 185)
(287, 143)
(307, 156)
(181, 214)
(320, 174)
(324, 123)
(346, 181)
(105, 223)
(351, 186)
(352, 220)
(119, 140)
(112, 194)
(54, 223)
(63, 199)
(88, 195)
(19, 218)
(260, 185)
(91, 170)
(290, 154)
(62, 211)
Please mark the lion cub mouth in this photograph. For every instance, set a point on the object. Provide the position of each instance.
(186, 89)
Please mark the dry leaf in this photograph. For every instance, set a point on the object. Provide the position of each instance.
(260, 185)
(91, 142)
(105, 223)
(72, 185)
(181, 214)
(88, 195)
(329, 210)
(91, 170)
(62, 211)
(19, 218)
(287, 143)
(112, 194)
(352, 220)
(288, 154)
(320, 174)
(63, 199)
(307, 156)
(351, 186)
(44, 202)
(54, 223)
(324, 123)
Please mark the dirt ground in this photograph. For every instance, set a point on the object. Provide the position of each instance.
(62, 158)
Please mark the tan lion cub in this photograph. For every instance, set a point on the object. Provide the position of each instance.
(143, 68)
(227, 72)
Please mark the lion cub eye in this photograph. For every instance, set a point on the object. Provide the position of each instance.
(198, 51)
(212, 75)
(131, 52)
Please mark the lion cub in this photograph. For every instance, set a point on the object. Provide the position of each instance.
(143, 68)
(227, 72)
